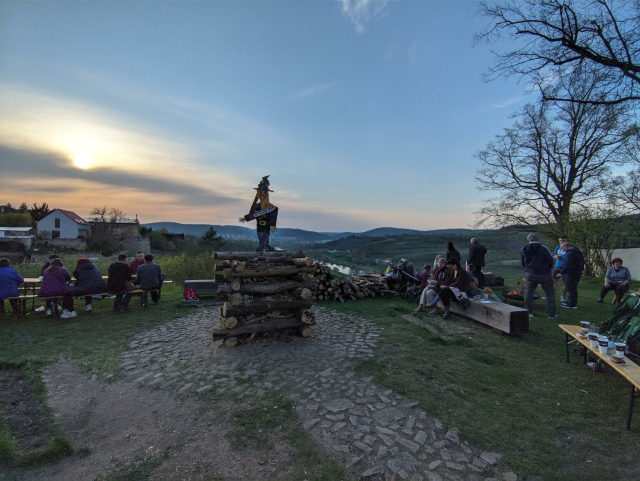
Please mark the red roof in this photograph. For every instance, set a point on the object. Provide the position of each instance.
(73, 216)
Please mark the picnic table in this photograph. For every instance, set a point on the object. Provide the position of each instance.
(630, 371)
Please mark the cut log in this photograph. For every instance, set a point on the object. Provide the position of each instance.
(237, 266)
(264, 288)
(307, 316)
(265, 304)
(306, 332)
(302, 262)
(235, 299)
(229, 322)
(302, 293)
(267, 271)
(263, 326)
(504, 317)
(230, 342)
(236, 285)
(241, 256)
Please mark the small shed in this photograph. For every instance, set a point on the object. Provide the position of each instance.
(20, 234)
(64, 224)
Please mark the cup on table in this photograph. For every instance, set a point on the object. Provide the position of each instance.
(603, 344)
(585, 326)
(593, 339)
(486, 296)
(621, 348)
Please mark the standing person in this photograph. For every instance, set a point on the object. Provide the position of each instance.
(150, 277)
(137, 262)
(571, 273)
(558, 255)
(88, 281)
(9, 282)
(537, 261)
(476, 259)
(451, 253)
(119, 283)
(55, 282)
(617, 280)
(264, 213)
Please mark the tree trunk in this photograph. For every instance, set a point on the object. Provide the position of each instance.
(271, 324)
(231, 256)
(267, 271)
(261, 288)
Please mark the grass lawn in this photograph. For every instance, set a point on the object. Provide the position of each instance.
(517, 396)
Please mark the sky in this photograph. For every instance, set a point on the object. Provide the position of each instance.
(365, 114)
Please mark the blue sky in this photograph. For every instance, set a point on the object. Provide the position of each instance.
(365, 114)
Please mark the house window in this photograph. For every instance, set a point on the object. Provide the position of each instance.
(55, 234)
(57, 226)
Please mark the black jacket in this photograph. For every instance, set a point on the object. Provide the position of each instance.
(119, 274)
(476, 255)
(453, 254)
(536, 258)
(573, 263)
(88, 277)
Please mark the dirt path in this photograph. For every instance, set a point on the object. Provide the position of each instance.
(153, 419)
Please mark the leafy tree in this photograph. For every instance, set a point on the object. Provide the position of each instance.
(212, 240)
(556, 156)
(8, 209)
(16, 219)
(39, 212)
(554, 38)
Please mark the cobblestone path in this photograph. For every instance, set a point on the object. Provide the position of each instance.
(366, 427)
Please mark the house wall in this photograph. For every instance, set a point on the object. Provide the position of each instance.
(68, 228)
(631, 260)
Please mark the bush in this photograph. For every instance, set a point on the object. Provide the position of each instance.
(182, 267)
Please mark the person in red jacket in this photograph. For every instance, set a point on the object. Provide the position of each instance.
(137, 262)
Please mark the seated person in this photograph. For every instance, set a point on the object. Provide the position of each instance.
(119, 283)
(150, 277)
(440, 276)
(617, 280)
(55, 282)
(137, 262)
(88, 281)
(425, 274)
(9, 282)
(473, 282)
(48, 263)
(457, 289)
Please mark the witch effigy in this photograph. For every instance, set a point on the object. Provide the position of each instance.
(264, 213)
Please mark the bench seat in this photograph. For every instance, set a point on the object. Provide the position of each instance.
(499, 316)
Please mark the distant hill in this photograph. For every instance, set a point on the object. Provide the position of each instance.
(236, 231)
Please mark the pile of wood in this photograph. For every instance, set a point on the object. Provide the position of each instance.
(331, 287)
(265, 291)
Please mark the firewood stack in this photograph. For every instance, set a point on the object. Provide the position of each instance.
(331, 287)
(266, 291)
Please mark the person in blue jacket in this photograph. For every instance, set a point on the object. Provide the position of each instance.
(9, 282)
(571, 273)
(537, 261)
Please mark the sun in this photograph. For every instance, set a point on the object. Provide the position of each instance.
(82, 161)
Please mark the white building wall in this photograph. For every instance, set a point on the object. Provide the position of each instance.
(630, 259)
(68, 228)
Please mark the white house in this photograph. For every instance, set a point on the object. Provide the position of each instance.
(64, 224)
(20, 234)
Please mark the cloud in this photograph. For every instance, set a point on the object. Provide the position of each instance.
(508, 102)
(360, 11)
(313, 90)
(51, 172)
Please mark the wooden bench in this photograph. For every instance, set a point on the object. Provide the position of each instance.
(22, 299)
(631, 372)
(499, 316)
(203, 287)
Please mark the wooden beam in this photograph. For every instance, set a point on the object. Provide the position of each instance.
(497, 315)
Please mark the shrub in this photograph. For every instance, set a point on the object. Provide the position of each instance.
(182, 267)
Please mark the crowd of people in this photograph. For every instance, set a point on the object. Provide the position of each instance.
(123, 277)
(449, 281)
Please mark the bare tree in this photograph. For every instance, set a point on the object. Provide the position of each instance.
(557, 155)
(99, 213)
(600, 38)
(116, 214)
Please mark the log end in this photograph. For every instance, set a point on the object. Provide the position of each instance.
(230, 342)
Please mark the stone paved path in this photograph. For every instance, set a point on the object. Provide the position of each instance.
(366, 427)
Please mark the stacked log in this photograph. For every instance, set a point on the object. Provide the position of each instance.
(328, 286)
(266, 291)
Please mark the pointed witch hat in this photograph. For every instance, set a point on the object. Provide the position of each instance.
(264, 185)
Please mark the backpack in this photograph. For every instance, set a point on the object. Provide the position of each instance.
(190, 294)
